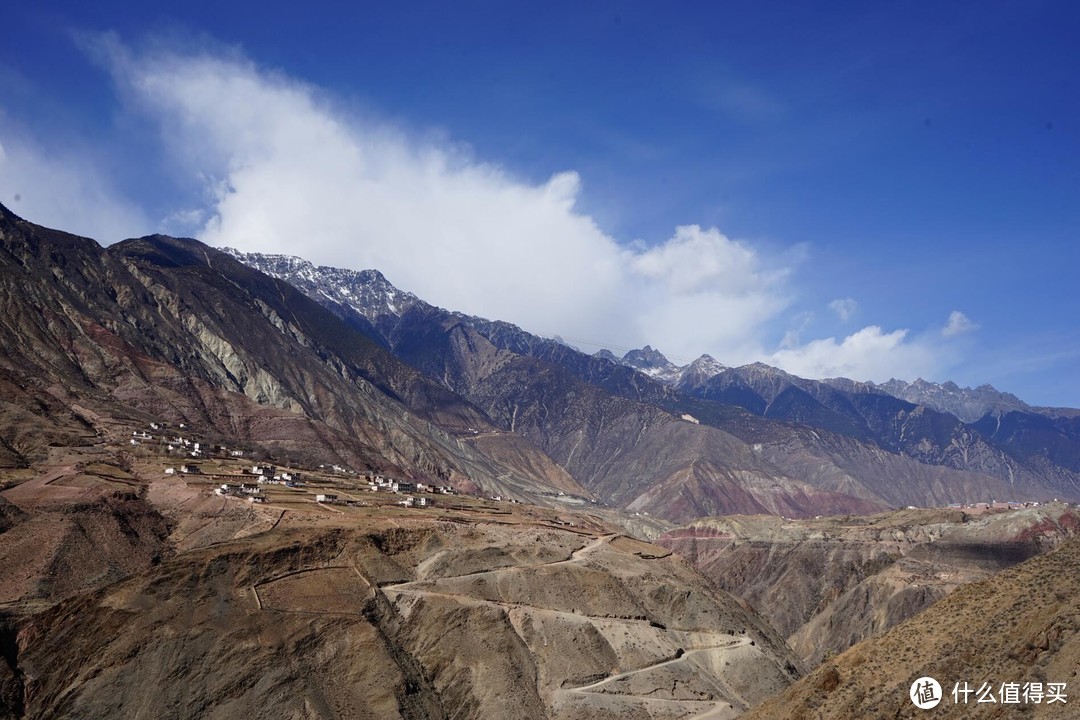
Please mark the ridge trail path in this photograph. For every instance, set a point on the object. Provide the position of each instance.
(713, 709)
(576, 556)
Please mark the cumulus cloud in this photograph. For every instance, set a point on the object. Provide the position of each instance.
(844, 308)
(286, 168)
(868, 354)
(958, 324)
(62, 190)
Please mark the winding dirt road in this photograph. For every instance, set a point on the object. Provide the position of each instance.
(710, 709)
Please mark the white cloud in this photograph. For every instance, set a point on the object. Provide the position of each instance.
(704, 290)
(291, 171)
(287, 169)
(869, 354)
(183, 223)
(844, 308)
(958, 324)
(62, 190)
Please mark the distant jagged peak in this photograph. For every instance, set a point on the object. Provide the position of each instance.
(366, 291)
(707, 360)
(967, 404)
(699, 372)
(647, 357)
(704, 367)
(606, 354)
(653, 363)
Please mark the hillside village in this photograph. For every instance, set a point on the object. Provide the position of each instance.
(225, 471)
(228, 472)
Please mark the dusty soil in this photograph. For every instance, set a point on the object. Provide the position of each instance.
(129, 593)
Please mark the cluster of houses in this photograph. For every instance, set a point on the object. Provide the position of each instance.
(178, 444)
(992, 505)
(330, 499)
(268, 475)
(186, 469)
(394, 486)
(378, 483)
(252, 491)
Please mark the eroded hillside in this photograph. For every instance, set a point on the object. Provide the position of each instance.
(198, 605)
(826, 584)
(1020, 627)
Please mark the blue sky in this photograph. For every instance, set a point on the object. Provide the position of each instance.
(869, 189)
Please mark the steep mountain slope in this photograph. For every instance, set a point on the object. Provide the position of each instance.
(430, 620)
(1021, 626)
(1030, 467)
(633, 454)
(166, 329)
(805, 433)
(829, 583)
(1035, 455)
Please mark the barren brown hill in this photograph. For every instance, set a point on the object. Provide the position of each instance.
(1021, 626)
(383, 613)
(826, 584)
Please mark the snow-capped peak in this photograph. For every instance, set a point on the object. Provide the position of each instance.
(368, 292)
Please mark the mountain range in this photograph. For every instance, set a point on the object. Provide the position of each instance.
(116, 576)
(337, 365)
(791, 445)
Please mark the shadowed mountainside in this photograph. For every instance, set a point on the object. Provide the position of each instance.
(826, 584)
(1019, 626)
